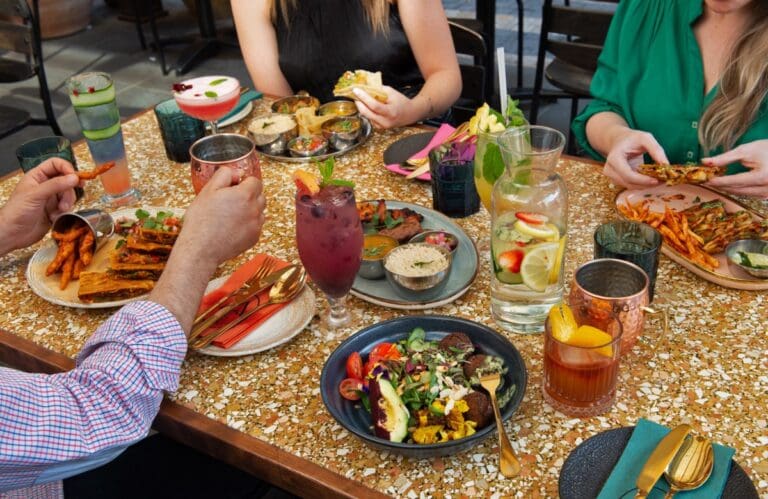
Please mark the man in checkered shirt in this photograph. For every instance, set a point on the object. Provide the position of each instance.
(56, 426)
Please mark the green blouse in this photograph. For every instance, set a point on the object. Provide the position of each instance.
(650, 73)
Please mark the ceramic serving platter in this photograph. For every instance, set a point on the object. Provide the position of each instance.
(463, 273)
(680, 197)
(47, 287)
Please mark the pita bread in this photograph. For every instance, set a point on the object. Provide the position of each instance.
(364, 80)
(309, 122)
(682, 174)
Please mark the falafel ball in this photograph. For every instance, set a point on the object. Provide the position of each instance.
(480, 410)
(457, 341)
(472, 364)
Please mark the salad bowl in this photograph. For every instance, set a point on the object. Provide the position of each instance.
(355, 419)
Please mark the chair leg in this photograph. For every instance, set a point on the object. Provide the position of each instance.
(571, 137)
(137, 18)
(45, 94)
(158, 42)
(520, 33)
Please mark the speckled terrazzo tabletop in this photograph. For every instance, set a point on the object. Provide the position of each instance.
(710, 372)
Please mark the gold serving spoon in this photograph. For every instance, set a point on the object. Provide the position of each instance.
(508, 462)
(691, 466)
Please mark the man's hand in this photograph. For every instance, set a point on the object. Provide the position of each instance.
(41, 195)
(753, 155)
(223, 221)
(626, 155)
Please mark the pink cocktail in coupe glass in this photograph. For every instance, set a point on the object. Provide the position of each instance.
(330, 241)
(207, 98)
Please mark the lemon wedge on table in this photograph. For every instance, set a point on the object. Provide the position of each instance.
(537, 265)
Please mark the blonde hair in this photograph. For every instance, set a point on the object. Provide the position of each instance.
(376, 11)
(743, 86)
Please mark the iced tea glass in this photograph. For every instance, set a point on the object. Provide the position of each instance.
(330, 242)
(580, 381)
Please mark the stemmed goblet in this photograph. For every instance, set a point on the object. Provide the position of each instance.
(207, 98)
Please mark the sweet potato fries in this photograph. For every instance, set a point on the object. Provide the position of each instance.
(75, 253)
(675, 230)
(92, 174)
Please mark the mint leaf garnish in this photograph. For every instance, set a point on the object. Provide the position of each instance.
(343, 183)
(211, 94)
(217, 82)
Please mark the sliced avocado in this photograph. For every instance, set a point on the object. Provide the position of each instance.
(389, 414)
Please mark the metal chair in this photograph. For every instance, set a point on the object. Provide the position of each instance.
(22, 60)
(575, 37)
(473, 76)
(484, 24)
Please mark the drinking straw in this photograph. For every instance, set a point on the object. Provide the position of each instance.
(501, 64)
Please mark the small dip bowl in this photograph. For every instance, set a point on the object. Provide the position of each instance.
(439, 238)
(99, 222)
(342, 132)
(289, 105)
(735, 254)
(418, 271)
(375, 248)
(272, 132)
(338, 108)
(305, 147)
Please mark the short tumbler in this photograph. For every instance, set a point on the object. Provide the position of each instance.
(633, 242)
(178, 129)
(32, 153)
(453, 185)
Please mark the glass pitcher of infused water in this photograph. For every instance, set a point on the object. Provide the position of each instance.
(529, 211)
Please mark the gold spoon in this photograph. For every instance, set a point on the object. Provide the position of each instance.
(508, 462)
(691, 466)
(284, 290)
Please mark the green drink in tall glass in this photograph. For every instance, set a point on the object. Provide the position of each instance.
(488, 124)
(93, 97)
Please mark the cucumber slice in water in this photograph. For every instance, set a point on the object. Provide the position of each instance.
(102, 134)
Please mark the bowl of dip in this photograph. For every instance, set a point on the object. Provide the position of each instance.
(418, 271)
(342, 132)
(375, 248)
(289, 105)
(338, 108)
(305, 147)
(272, 132)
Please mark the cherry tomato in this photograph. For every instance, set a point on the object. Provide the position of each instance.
(369, 367)
(384, 351)
(511, 260)
(531, 218)
(354, 366)
(350, 388)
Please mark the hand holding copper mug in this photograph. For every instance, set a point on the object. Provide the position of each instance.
(608, 287)
(224, 149)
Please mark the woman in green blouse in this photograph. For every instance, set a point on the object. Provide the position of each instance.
(683, 81)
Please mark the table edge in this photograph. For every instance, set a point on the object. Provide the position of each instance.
(183, 424)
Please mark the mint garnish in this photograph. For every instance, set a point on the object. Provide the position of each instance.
(217, 82)
(211, 94)
(326, 172)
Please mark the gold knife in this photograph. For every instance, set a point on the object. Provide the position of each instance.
(660, 457)
(263, 284)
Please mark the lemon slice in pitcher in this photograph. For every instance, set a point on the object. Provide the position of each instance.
(537, 265)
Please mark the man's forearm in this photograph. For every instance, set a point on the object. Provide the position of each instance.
(183, 283)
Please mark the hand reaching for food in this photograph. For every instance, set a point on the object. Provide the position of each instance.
(626, 154)
(41, 195)
(397, 111)
(753, 155)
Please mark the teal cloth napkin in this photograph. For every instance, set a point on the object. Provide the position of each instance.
(644, 438)
(244, 100)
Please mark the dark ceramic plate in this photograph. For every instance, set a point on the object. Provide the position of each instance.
(355, 419)
(590, 464)
(406, 147)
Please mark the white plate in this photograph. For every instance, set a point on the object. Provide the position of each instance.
(47, 287)
(278, 329)
(245, 111)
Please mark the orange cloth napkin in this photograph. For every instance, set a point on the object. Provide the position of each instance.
(235, 281)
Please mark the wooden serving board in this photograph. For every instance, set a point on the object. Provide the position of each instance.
(680, 197)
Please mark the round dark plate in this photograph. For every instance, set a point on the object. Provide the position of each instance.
(590, 464)
(402, 149)
(354, 418)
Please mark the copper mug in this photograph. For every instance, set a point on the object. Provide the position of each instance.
(223, 149)
(606, 288)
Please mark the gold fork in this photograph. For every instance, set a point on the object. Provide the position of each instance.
(267, 266)
(508, 462)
